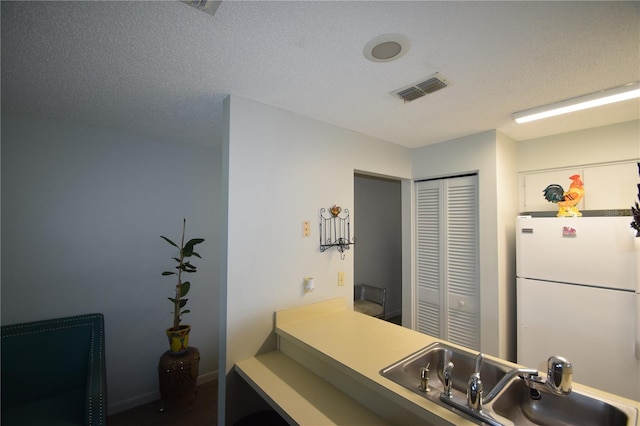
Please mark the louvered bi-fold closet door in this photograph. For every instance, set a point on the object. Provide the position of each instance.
(447, 273)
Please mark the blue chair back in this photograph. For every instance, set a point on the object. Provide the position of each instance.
(42, 360)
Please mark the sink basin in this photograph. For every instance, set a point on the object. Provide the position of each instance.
(513, 405)
(406, 372)
(576, 408)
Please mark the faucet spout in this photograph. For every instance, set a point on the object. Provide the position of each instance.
(525, 373)
(559, 378)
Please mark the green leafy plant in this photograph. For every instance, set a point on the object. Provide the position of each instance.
(635, 211)
(183, 265)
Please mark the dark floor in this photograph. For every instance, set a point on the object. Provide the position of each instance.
(203, 412)
(395, 320)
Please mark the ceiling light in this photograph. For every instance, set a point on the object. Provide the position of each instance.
(386, 48)
(623, 93)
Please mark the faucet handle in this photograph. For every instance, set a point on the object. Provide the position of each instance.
(474, 392)
(474, 386)
(479, 361)
(448, 379)
(424, 378)
(559, 375)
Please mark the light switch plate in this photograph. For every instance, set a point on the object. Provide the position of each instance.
(340, 279)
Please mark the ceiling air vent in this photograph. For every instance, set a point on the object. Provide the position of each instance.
(418, 90)
(206, 6)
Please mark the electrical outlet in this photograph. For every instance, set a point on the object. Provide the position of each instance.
(340, 279)
(306, 228)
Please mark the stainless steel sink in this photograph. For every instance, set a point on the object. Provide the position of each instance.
(406, 372)
(576, 408)
(514, 404)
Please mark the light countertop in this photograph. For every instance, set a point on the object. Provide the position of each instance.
(360, 346)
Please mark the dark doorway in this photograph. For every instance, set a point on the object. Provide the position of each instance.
(377, 218)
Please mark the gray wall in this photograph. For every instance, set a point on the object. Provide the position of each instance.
(82, 212)
(377, 258)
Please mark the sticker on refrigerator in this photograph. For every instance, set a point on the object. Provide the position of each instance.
(568, 232)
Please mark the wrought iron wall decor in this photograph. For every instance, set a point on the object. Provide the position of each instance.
(335, 229)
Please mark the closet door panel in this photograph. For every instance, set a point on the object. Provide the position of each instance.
(428, 258)
(461, 262)
(446, 260)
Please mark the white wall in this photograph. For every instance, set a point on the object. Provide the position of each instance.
(507, 209)
(282, 169)
(378, 253)
(492, 156)
(82, 212)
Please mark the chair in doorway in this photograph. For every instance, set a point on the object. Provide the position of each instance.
(369, 300)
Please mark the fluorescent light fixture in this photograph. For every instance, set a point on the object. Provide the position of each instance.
(622, 93)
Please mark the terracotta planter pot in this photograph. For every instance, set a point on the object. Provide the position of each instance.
(178, 339)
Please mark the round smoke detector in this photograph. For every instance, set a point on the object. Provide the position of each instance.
(386, 48)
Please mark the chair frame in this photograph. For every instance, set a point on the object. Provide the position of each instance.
(96, 388)
(377, 295)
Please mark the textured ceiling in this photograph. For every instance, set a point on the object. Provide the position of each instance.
(163, 68)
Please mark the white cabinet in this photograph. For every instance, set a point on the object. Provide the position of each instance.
(606, 187)
(613, 186)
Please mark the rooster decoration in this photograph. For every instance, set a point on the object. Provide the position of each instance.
(566, 200)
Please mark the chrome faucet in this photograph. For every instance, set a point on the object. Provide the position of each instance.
(559, 379)
(473, 405)
(424, 379)
(448, 379)
(474, 386)
(559, 375)
(527, 374)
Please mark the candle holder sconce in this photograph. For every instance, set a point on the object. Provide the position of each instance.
(335, 229)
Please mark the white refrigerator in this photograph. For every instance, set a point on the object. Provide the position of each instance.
(578, 297)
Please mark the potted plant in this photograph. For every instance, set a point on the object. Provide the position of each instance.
(179, 334)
